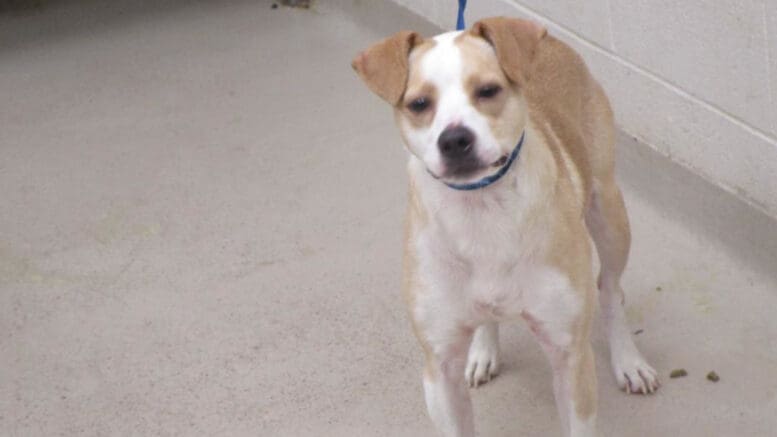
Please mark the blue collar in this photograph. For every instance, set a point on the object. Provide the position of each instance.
(488, 180)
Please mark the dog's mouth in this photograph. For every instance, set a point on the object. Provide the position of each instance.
(500, 162)
(468, 169)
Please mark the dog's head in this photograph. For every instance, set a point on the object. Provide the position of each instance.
(457, 97)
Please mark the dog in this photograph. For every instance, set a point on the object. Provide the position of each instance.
(511, 168)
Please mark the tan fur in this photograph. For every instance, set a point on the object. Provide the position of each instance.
(383, 67)
(515, 42)
(563, 94)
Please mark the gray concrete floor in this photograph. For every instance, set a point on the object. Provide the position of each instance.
(200, 235)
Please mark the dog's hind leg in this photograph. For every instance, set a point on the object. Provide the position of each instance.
(483, 356)
(609, 227)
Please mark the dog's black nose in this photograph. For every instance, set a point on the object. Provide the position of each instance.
(455, 141)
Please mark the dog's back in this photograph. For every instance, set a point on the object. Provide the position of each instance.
(579, 118)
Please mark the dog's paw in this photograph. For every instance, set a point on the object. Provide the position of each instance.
(481, 367)
(634, 374)
(482, 363)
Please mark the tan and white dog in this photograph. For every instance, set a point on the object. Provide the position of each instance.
(511, 168)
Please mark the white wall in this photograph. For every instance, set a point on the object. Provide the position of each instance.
(695, 79)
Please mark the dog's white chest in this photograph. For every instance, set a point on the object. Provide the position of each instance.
(484, 251)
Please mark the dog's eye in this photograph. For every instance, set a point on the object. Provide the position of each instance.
(488, 91)
(419, 105)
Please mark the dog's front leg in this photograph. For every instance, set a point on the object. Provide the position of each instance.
(446, 391)
(565, 341)
(574, 385)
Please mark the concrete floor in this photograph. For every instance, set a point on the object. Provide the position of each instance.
(200, 235)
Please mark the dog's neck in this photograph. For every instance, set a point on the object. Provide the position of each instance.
(481, 224)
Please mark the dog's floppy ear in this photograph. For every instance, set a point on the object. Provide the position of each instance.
(383, 67)
(515, 42)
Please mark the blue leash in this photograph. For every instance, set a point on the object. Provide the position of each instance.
(460, 18)
(488, 180)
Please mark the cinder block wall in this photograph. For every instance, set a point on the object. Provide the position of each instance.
(694, 79)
